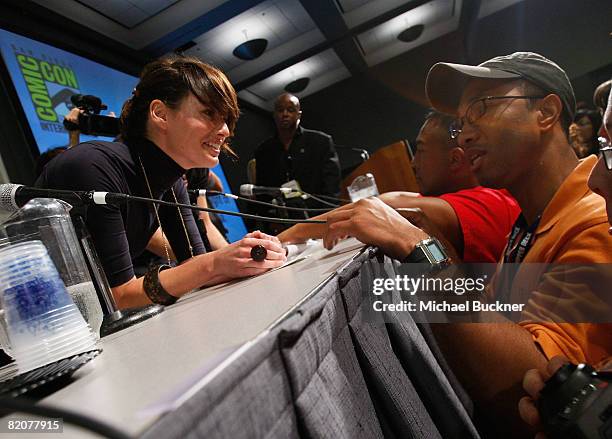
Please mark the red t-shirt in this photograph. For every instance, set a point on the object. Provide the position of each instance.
(486, 217)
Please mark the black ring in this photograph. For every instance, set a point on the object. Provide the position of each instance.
(259, 252)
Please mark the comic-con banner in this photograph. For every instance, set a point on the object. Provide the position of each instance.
(46, 77)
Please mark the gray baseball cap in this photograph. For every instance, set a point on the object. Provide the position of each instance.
(446, 81)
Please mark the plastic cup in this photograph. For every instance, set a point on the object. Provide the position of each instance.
(363, 186)
(42, 322)
(49, 221)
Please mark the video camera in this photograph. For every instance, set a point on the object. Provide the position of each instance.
(90, 121)
(576, 402)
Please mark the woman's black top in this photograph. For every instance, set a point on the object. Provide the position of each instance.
(122, 233)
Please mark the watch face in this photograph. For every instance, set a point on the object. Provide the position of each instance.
(436, 252)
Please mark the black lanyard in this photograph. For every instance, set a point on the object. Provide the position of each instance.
(521, 240)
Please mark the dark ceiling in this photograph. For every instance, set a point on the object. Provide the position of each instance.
(329, 41)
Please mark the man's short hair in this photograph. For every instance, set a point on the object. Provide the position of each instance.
(442, 119)
(600, 97)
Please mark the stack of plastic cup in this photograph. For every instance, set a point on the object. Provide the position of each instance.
(49, 221)
(43, 323)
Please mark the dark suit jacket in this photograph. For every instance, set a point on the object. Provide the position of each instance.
(311, 160)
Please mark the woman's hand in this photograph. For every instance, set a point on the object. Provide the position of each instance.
(234, 260)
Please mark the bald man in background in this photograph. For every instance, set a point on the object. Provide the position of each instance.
(297, 157)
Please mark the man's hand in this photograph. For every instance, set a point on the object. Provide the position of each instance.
(573, 132)
(73, 115)
(71, 123)
(420, 219)
(373, 222)
(533, 383)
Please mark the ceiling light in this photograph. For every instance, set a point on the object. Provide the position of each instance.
(251, 49)
(298, 85)
(411, 34)
(188, 45)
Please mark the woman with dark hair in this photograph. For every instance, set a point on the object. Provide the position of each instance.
(180, 116)
(583, 132)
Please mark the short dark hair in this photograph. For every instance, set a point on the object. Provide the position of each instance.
(443, 119)
(171, 80)
(600, 97)
(593, 115)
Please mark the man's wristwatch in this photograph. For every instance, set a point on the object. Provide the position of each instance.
(430, 251)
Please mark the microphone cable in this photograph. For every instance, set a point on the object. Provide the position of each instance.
(10, 192)
(328, 197)
(202, 192)
(222, 212)
(316, 198)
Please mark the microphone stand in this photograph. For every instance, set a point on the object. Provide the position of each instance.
(282, 212)
(274, 228)
(363, 153)
(114, 318)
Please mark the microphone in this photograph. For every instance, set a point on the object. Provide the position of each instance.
(251, 189)
(204, 192)
(13, 196)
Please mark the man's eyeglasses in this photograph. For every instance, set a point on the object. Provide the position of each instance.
(476, 110)
(605, 148)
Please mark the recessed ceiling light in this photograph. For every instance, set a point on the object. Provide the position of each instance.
(251, 49)
(298, 85)
(188, 45)
(411, 34)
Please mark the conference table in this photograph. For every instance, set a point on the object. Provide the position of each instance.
(151, 367)
(287, 353)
